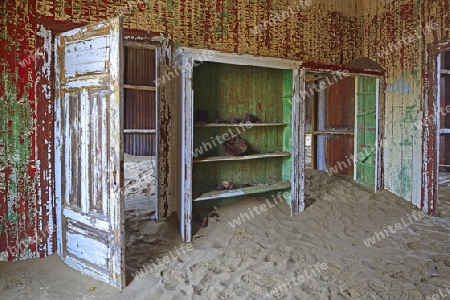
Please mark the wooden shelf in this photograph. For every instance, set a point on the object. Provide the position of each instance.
(139, 87)
(281, 185)
(240, 124)
(331, 132)
(243, 157)
(139, 131)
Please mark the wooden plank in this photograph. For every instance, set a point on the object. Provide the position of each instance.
(187, 95)
(135, 45)
(59, 142)
(140, 87)
(285, 184)
(139, 131)
(247, 125)
(330, 132)
(298, 142)
(239, 59)
(245, 157)
(445, 72)
(85, 147)
(313, 128)
(320, 145)
(286, 132)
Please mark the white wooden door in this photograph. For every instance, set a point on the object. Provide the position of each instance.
(89, 156)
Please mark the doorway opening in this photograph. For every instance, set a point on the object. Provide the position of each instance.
(342, 126)
(140, 130)
(443, 126)
(106, 150)
(140, 146)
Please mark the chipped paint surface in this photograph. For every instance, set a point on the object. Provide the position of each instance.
(330, 32)
(407, 24)
(89, 134)
(399, 86)
(21, 236)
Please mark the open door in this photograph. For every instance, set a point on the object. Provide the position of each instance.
(89, 154)
(366, 131)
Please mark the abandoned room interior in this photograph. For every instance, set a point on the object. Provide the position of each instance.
(225, 149)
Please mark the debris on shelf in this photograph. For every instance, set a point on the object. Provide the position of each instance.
(235, 146)
(225, 185)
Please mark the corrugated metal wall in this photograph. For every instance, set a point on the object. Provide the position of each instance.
(340, 116)
(139, 105)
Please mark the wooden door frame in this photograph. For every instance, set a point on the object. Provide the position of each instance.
(381, 99)
(430, 125)
(377, 137)
(186, 57)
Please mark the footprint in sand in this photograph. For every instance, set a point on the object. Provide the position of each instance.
(173, 279)
(258, 283)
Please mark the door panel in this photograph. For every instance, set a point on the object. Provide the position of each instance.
(88, 137)
(366, 131)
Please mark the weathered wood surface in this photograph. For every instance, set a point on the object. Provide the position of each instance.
(241, 125)
(243, 157)
(89, 153)
(285, 184)
(140, 87)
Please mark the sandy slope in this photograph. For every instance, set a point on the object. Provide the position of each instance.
(319, 254)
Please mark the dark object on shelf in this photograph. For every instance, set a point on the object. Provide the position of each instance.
(217, 121)
(235, 145)
(220, 187)
(202, 116)
(214, 215)
(244, 185)
(251, 118)
(236, 121)
(205, 222)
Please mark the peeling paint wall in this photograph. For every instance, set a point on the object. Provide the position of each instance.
(327, 31)
(318, 30)
(22, 234)
(396, 35)
(391, 39)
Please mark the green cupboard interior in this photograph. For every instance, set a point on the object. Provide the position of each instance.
(228, 93)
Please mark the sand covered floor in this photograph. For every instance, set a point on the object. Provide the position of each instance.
(322, 253)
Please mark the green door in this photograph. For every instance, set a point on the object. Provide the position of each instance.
(366, 131)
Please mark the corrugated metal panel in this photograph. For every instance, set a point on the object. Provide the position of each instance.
(140, 105)
(139, 66)
(340, 103)
(444, 142)
(340, 116)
